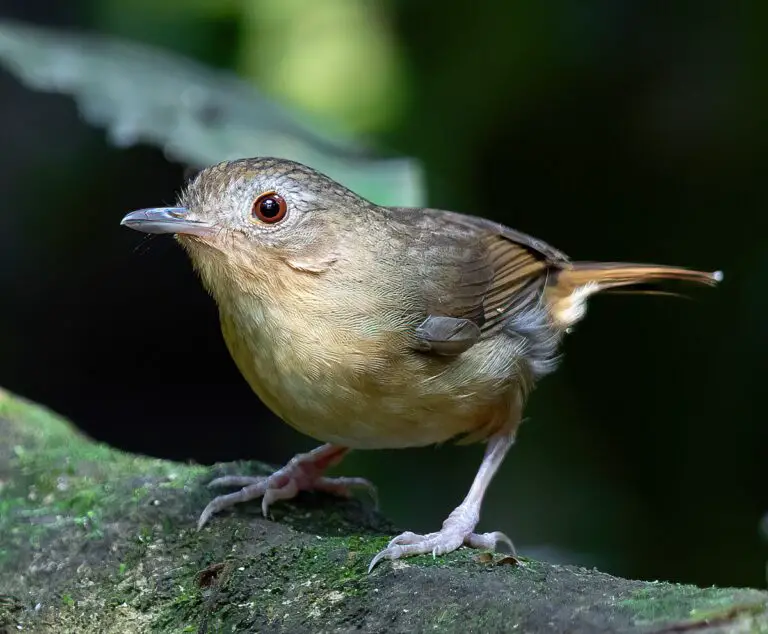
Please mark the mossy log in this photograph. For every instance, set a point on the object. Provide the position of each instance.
(96, 540)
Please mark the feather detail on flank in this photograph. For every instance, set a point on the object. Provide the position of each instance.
(569, 288)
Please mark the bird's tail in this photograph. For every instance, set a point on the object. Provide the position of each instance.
(569, 287)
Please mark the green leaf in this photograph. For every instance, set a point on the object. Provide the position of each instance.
(196, 114)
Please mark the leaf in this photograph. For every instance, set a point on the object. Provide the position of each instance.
(196, 114)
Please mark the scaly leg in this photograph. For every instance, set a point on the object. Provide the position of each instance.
(458, 528)
(303, 473)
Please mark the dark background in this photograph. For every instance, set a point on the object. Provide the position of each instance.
(614, 130)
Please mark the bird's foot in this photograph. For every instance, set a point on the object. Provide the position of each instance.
(457, 530)
(303, 473)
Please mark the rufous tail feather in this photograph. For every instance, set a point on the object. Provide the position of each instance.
(569, 288)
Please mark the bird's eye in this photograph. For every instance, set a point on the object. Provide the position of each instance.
(270, 208)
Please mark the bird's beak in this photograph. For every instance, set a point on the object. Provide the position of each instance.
(166, 220)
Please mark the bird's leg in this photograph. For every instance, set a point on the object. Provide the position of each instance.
(303, 473)
(459, 528)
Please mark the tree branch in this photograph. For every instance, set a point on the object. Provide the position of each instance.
(96, 540)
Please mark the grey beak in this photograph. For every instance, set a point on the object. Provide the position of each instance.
(165, 220)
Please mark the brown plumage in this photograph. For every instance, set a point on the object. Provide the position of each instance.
(370, 327)
(569, 288)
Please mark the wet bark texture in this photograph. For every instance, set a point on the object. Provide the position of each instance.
(95, 540)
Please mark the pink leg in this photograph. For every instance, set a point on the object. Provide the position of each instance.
(303, 473)
(458, 528)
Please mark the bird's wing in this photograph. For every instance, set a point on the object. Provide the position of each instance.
(475, 273)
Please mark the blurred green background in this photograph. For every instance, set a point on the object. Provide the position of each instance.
(615, 130)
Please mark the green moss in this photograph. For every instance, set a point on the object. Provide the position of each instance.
(294, 585)
(665, 602)
(44, 425)
(113, 538)
(61, 476)
(316, 576)
(10, 609)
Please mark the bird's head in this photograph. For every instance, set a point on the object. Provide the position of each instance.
(255, 219)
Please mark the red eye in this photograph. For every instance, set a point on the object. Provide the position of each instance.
(270, 208)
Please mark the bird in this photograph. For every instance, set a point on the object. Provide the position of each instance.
(369, 327)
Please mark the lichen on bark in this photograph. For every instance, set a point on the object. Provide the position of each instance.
(97, 540)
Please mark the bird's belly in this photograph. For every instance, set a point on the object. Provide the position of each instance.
(373, 419)
(377, 416)
(381, 423)
(407, 401)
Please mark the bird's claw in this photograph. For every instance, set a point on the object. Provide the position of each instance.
(450, 538)
(284, 484)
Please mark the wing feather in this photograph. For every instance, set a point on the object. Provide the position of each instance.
(478, 269)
